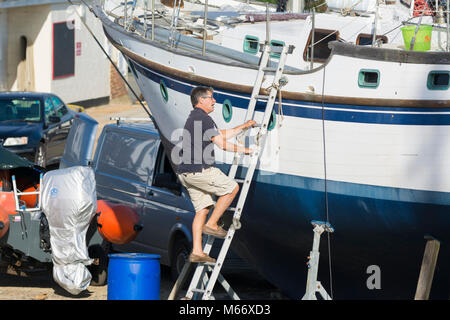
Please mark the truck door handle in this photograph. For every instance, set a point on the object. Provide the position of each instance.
(150, 193)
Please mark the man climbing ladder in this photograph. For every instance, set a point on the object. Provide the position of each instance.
(197, 173)
(201, 284)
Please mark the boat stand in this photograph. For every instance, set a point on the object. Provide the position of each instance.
(312, 285)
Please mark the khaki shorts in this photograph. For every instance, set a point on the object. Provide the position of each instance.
(202, 185)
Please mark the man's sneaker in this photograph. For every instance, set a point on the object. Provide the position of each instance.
(219, 233)
(203, 258)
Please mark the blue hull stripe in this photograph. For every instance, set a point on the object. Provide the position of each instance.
(345, 188)
(311, 110)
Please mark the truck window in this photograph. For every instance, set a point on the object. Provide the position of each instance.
(128, 156)
(60, 108)
(164, 176)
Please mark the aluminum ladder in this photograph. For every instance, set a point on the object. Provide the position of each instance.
(202, 286)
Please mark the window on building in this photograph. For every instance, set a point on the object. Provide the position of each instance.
(63, 49)
(321, 39)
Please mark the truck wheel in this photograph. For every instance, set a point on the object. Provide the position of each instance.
(98, 271)
(180, 254)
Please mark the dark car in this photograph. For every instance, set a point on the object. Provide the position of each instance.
(34, 125)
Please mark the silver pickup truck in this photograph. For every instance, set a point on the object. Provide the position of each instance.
(132, 169)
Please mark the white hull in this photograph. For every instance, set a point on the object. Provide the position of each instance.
(357, 151)
(372, 161)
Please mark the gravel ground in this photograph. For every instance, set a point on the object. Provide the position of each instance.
(39, 285)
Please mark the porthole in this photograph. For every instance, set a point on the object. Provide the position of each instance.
(163, 88)
(251, 44)
(438, 80)
(272, 121)
(369, 79)
(276, 44)
(227, 110)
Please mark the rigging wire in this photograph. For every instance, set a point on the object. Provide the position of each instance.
(112, 62)
(325, 181)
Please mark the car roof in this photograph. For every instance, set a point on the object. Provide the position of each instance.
(23, 94)
(143, 127)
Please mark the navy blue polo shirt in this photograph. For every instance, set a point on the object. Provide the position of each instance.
(197, 147)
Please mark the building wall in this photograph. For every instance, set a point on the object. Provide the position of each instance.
(118, 87)
(91, 79)
(31, 23)
(3, 49)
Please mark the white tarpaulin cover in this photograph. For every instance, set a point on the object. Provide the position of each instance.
(69, 200)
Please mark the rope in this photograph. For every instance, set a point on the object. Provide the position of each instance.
(347, 11)
(112, 62)
(282, 82)
(325, 179)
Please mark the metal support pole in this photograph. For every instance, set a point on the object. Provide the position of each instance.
(145, 19)
(267, 23)
(448, 26)
(204, 28)
(311, 66)
(374, 38)
(153, 19)
(413, 41)
(172, 24)
(125, 14)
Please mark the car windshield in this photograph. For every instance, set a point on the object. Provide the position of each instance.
(20, 110)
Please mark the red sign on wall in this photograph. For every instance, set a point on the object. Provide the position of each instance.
(78, 49)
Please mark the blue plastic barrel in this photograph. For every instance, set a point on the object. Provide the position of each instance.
(133, 276)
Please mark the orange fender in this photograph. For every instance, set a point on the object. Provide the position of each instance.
(4, 222)
(7, 207)
(7, 202)
(117, 223)
(30, 199)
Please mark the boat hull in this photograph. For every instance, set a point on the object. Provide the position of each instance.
(375, 225)
(377, 172)
(388, 235)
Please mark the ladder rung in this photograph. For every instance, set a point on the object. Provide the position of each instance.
(276, 49)
(199, 290)
(231, 208)
(268, 69)
(262, 97)
(208, 263)
(239, 180)
(25, 193)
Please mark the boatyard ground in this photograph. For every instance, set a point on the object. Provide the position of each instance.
(39, 285)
